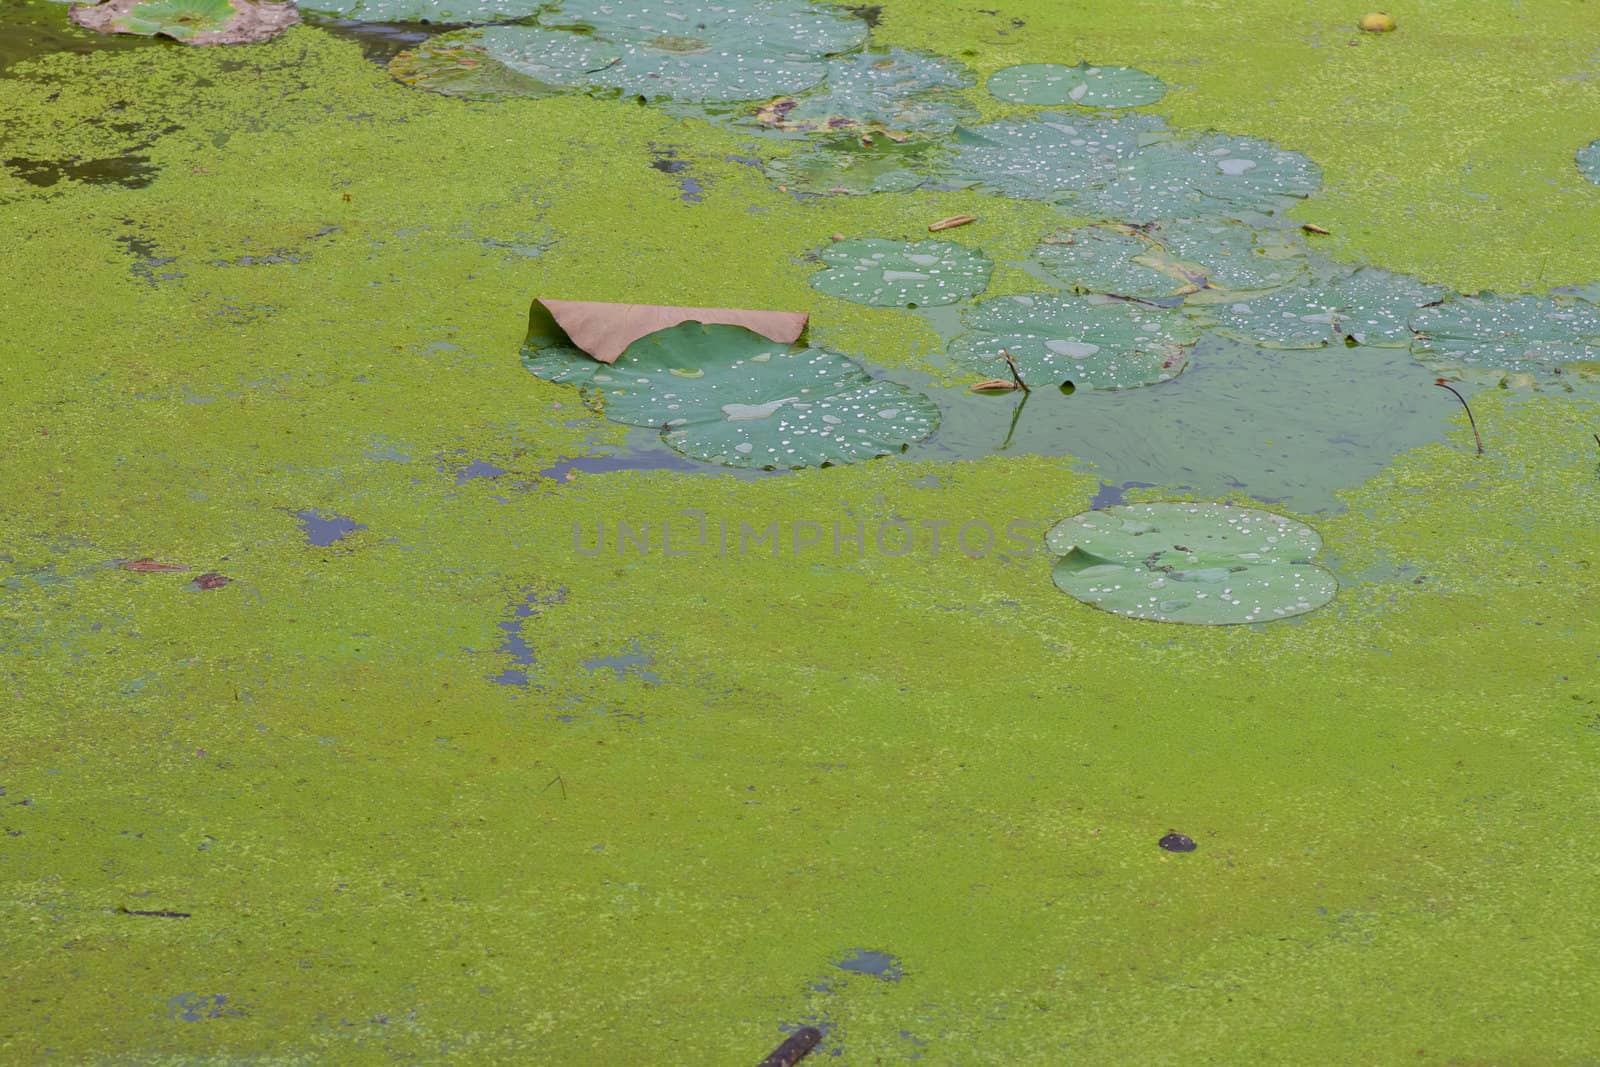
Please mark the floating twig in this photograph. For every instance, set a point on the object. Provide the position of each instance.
(1310, 227)
(794, 1049)
(993, 385)
(557, 780)
(1470, 420)
(156, 914)
(951, 223)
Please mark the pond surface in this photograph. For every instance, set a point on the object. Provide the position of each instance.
(372, 700)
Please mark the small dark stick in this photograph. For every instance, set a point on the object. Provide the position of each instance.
(1011, 365)
(793, 1050)
(1470, 420)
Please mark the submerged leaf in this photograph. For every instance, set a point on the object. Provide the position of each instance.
(885, 273)
(1054, 84)
(1207, 564)
(893, 93)
(196, 22)
(725, 395)
(1522, 333)
(1094, 345)
(1206, 258)
(1370, 307)
(846, 167)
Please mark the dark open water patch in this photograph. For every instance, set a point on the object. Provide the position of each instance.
(33, 28)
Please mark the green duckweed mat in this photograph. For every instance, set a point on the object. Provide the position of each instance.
(438, 776)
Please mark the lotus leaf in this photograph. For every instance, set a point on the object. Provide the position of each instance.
(1232, 256)
(726, 395)
(894, 93)
(1206, 564)
(438, 12)
(1370, 306)
(1054, 84)
(1095, 344)
(1523, 333)
(1588, 160)
(197, 22)
(899, 274)
(1122, 260)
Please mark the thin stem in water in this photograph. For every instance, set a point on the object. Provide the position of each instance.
(1470, 420)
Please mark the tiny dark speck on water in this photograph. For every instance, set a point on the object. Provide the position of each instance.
(1178, 843)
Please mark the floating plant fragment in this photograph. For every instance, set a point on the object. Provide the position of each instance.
(1054, 84)
(1521, 333)
(1094, 344)
(884, 273)
(196, 22)
(1206, 564)
(1588, 160)
(437, 12)
(726, 395)
(1370, 307)
(894, 94)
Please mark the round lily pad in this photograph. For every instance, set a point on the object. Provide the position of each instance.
(437, 12)
(1205, 564)
(1524, 333)
(1094, 344)
(1588, 160)
(726, 395)
(885, 273)
(893, 94)
(1054, 84)
(196, 22)
(1370, 306)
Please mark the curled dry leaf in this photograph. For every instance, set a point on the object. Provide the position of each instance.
(951, 223)
(212, 580)
(1311, 227)
(150, 566)
(993, 385)
(601, 331)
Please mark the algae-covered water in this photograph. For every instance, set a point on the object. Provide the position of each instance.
(478, 728)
